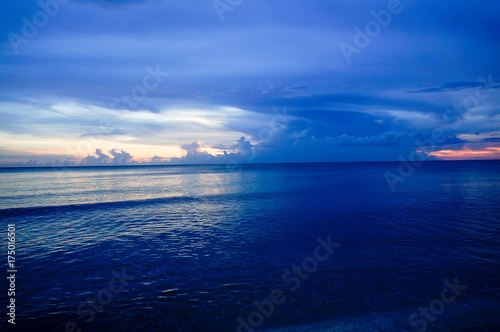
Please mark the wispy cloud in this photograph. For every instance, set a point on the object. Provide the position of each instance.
(225, 79)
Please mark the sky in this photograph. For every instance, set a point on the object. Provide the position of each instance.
(102, 82)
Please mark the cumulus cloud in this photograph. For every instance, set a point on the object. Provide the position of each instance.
(69, 161)
(242, 146)
(157, 160)
(193, 148)
(119, 157)
(238, 152)
(99, 159)
(195, 155)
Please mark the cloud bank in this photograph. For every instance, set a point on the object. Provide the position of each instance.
(94, 77)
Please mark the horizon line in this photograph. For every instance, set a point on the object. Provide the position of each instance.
(242, 164)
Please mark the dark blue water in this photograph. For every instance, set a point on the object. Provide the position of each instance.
(195, 246)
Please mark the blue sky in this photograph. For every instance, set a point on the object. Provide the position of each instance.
(102, 82)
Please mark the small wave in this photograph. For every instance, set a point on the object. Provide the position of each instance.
(42, 210)
(46, 209)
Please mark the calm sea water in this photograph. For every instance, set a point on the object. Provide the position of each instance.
(191, 248)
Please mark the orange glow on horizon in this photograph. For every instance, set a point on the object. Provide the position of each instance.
(468, 153)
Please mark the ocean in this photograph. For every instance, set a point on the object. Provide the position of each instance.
(268, 247)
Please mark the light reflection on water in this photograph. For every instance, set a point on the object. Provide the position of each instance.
(56, 188)
(204, 243)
